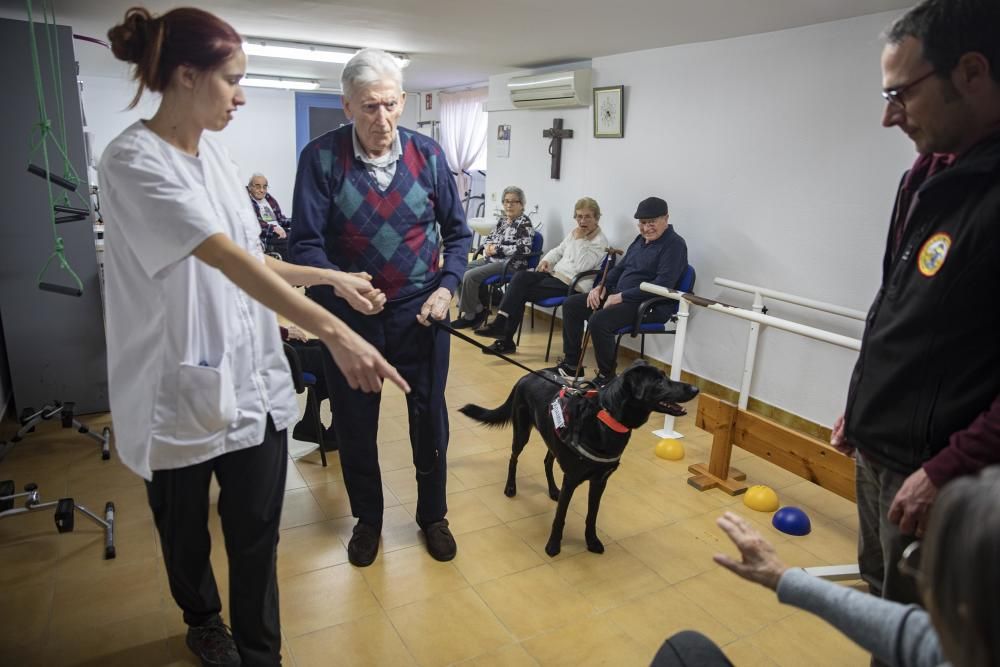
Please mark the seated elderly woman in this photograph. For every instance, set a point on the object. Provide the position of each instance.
(955, 568)
(581, 250)
(511, 236)
(273, 225)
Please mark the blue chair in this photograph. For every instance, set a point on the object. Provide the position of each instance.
(644, 326)
(306, 382)
(555, 302)
(496, 282)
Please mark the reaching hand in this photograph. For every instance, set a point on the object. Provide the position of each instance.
(363, 366)
(435, 307)
(489, 250)
(912, 503)
(594, 297)
(837, 438)
(357, 290)
(759, 563)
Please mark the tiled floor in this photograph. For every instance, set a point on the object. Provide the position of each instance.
(502, 601)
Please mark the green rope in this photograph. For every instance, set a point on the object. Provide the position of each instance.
(45, 134)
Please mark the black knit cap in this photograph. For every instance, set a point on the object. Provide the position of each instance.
(650, 207)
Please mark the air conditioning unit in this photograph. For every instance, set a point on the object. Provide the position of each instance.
(551, 90)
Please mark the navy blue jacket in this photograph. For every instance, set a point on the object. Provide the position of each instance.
(662, 262)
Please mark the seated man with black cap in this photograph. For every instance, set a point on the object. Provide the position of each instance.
(657, 255)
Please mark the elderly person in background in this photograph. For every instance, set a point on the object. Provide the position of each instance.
(511, 236)
(581, 250)
(378, 199)
(953, 568)
(657, 255)
(273, 225)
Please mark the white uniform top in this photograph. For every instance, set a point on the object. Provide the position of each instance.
(194, 364)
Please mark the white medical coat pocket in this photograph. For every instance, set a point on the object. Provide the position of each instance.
(206, 399)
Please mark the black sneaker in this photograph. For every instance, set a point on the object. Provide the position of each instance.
(500, 346)
(495, 329)
(462, 323)
(363, 547)
(330, 441)
(213, 643)
(569, 370)
(440, 542)
(601, 379)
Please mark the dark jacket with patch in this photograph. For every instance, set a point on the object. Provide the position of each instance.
(926, 385)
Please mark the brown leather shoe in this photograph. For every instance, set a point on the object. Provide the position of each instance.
(363, 547)
(440, 542)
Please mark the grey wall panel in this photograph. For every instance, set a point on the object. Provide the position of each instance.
(55, 344)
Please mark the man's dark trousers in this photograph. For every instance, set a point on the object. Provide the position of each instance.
(602, 325)
(420, 354)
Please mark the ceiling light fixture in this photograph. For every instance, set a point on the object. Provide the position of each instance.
(283, 82)
(323, 53)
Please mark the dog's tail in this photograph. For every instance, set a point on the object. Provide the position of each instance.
(497, 417)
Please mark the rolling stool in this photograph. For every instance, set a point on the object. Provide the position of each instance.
(306, 382)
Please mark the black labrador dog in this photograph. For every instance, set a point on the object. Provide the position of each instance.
(586, 431)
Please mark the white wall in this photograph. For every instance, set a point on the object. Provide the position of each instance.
(769, 151)
(261, 136)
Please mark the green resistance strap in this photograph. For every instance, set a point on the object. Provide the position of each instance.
(44, 134)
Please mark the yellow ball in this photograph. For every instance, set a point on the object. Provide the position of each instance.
(670, 449)
(761, 498)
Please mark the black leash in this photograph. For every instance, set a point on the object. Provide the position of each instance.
(458, 334)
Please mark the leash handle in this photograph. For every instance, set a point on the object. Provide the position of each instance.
(609, 260)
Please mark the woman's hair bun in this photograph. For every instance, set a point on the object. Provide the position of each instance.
(131, 38)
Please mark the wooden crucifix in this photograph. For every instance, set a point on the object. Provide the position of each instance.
(557, 134)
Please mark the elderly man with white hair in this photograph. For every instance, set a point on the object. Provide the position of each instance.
(378, 199)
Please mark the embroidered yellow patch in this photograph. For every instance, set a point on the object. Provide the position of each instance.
(933, 253)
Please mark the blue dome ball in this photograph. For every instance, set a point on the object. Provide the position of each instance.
(792, 520)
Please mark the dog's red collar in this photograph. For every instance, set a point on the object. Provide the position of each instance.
(611, 422)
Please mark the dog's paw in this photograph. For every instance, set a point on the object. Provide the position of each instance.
(552, 548)
(554, 494)
(595, 545)
(510, 490)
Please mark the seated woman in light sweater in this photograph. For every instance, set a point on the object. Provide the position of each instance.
(955, 567)
(581, 250)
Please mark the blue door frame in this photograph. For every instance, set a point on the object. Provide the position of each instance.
(303, 101)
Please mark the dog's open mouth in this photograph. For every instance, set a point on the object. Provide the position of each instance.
(671, 408)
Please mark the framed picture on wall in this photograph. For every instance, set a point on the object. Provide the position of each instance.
(609, 112)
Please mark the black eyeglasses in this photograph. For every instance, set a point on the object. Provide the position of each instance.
(894, 96)
(511, 201)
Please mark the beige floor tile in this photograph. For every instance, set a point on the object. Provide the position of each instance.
(468, 442)
(363, 642)
(621, 514)
(672, 552)
(399, 529)
(403, 483)
(322, 598)
(594, 641)
(745, 653)
(293, 478)
(511, 655)
(408, 575)
(395, 455)
(481, 469)
(466, 513)
(608, 580)
(300, 508)
(652, 618)
(782, 642)
(532, 498)
(313, 472)
(28, 607)
(141, 640)
(830, 541)
(741, 606)
(310, 547)
(827, 503)
(448, 628)
(759, 471)
(136, 592)
(493, 553)
(534, 601)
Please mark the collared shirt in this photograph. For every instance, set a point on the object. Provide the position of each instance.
(194, 364)
(383, 167)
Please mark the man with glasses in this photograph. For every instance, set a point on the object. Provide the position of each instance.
(923, 405)
(657, 255)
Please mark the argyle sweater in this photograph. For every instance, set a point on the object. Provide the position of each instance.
(344, 222)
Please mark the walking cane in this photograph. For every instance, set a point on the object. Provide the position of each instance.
(586, 335)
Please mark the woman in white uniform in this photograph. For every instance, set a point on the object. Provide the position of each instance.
(199, 384)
